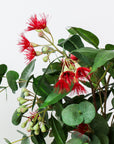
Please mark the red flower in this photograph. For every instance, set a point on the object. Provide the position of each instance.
(24, 43)
(82, 73)
(62, 86)
(35, 24)
(82, 128)
(68, 76)
(30, 54)
(73, 57)
(78, 88)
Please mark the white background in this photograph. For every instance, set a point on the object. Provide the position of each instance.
(96, 16)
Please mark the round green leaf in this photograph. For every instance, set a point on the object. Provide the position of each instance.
(71, 115)
(95, 140)
(3, 69)
(75, 141)
(12, 76)
(87, 110)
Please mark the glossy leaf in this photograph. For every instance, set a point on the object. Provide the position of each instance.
(57, 131)
(75, 141)
(109, 47)
(99, 125)
(12, 76)
(101, 58)
(26, 73)
(61, 42)
(41, 86)
(3, 69)
(95, 140)
(7, 141)
(25, 140)
(53, 68)
(73, 43)
(37, 139)
(86, 35)
(16, 118)
(52, 98)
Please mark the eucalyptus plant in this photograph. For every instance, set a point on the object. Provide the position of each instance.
(70, 97)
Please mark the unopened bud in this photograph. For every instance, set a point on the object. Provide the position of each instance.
(19, 110)
(39, 118)
(47, 30)
(26, 93)
(36, 132)
(19, 98)
(23, 101)
(41, 34)
(45, 59)
(24, 89)
(45, 50)
(29, 129)
(36, 127)
(43, 128)
(23, 110)
(23, 125)
(38, 53)
(31, 124)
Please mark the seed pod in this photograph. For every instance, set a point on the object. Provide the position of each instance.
(43, 128)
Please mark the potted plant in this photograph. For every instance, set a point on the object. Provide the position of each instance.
(68, 102)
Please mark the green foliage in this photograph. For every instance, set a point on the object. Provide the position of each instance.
(109, 47)
(75, 114)
(12, 76)
(57, 131)
(7, 141)
(86, 35)
(26, 74)
(3, 69)
(75, 141)
(16, 118)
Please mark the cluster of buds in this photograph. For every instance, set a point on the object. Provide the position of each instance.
(70, 76)
(35, 123)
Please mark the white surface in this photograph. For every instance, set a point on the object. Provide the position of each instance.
(96, 16)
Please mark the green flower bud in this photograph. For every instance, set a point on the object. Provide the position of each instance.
(36, 127)
(31, 124)
(43, 128)
(19, 98)
(19, 110)
(24, 90)
(45, 59)
(23, 101)
(26, 93)
(23, 110)
(23, 125)
(39, 118)
(45, 50)
(29, 129)
(36, 132)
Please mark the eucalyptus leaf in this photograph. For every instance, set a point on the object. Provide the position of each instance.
(26, 74)
(12, 76)
(3, 69)
(16, 118)
(57, 131)
(101, 58)
(7, 141)
(86, 35)
(25, 140)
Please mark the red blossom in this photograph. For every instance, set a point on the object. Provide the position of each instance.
(82, 128)
(30, 53)
(82, 73)
(24, 43)
(68, 76)
(73, 57)
(62, 86)
(35, 24)
(78, 88)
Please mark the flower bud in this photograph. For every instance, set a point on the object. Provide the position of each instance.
(24, 89)
(41, 33)
(19, 98)
(23, 110)
(45, 50)
(23, 101)
(39, 118)
(47, 30)
(38, 53)
(45, 59)
(26, 93)
(36, 127)
(34, 44)
(43, 128)
(23, 125)
(31, 124)
(29, 129)
(36, 132)
(19, 110)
